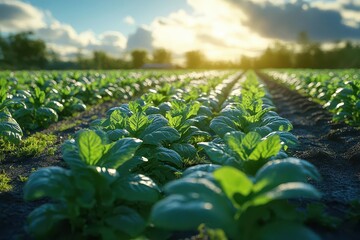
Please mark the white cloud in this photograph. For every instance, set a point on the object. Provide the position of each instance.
(348, 9)
(19, 16)
(63, 39)
(60, 37)
(64, 34)
(129, 20)
(141, 39)
(214, 28)
(111, 42)
(222, 29)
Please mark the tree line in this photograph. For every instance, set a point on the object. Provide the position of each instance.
(308, 54)
(25, 51)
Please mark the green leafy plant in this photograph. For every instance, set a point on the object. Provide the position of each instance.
(247, 152)
(336, 90)
(37, 111)
(10, 130)
(345, 103)
(185, 117)
(243, 207)
(156, 135)
(5, 180)
(91, 199)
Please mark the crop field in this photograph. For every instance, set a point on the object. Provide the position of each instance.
(181, 154)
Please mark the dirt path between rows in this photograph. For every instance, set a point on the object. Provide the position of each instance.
(333, 148)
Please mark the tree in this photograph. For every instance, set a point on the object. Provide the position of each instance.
(100, 60)
(25, 51)
(162, 55)
(139, 57)
(195, 59)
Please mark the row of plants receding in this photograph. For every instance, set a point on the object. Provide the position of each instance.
(337, 90)
(29, 102)
(212, 156)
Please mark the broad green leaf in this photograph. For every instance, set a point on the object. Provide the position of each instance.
(157, 121)
(137, 188)
(222, 125)
(120, 152)
(277, 123)
(187, 212)
(206, 111)
(43, 220)
(9, 128)
(78, 107)
(266, 148)
(235, 114)
(209, 168)
(127, 220)
(117, 120)
(289, 190)
(51, 182)
(152, 110)
(46, 115)
(234, 141)
(117, 134)
(193, 185)
(282, 230)
(282, 171)
(174, 121)
(185, 150)
(127, 167)
(219, 155)
(233, 182)
(206, 188)
(193, 133)
(137, 122)
(250, 141)
(263, 130)
(70, 153)
(193, 109)
(160, 135)
(287, 139)
(90, 147)
(58, 107)
(168, 156)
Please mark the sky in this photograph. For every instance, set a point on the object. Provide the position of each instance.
(222, 29)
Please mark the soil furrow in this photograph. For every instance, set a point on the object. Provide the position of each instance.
(332, 147)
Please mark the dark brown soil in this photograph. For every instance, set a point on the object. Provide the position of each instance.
(334, 148)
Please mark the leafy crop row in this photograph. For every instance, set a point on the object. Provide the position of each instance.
(338, 91)
(173, 160)
(30, 102)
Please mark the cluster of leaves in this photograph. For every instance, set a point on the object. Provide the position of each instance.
(244, 207)
(39, 99)
(119, 170)
(131, 120)
(97, 196)
(345, 103)
(105, 193)
(249, 133)
(10, 130)
(338, 91)
(248, 143)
